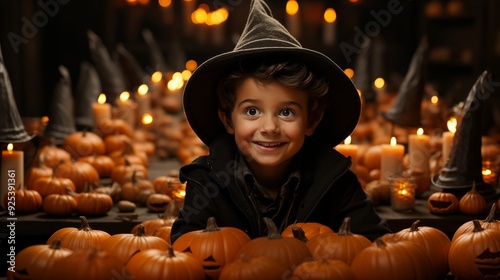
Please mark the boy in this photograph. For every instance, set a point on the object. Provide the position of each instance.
(271, 112)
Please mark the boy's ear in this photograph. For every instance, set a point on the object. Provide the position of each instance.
(312, 126)
(226, 122)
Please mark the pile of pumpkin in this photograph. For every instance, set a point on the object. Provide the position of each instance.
(301, 251)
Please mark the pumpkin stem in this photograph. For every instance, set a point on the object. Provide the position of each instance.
(170, 252)
(299, 233)
(473, 190)
(84, 132)
(414, 226)
(272, 230)
(379, 242)
(345, 228)
(491, 215)
(141, 231)
(477, 226)
(84, 224)
(56, 245)
(211, 225)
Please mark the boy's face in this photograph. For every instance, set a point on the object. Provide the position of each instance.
(269, 122)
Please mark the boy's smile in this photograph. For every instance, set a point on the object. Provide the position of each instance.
(269, 122)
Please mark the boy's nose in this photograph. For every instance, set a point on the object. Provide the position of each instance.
(270, 125)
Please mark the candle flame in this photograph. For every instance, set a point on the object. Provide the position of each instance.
(292, 7)
(147, 119)
(101, 99)
(330, 15)
(156, 77)
(186, 74)
(349, 72)
(393, 141)
(434, 99)
(124, 96)
(142, 89)
(486, 172)
(379, 82)
(45, 120)
(10, 147)
(452, 125)
(191, 65)
(199, 16)
(165, 3)
(347, 141)
(403, 192)
(420, 131)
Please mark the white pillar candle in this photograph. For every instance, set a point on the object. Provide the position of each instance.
(419, 152)
(329, 27)
(143, 99)
(12, 172)
(391, 159)
(100, 111)
(126, 108)
(447, 139)
(293, 18)
(348, 150)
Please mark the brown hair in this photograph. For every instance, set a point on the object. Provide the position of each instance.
(292, 74)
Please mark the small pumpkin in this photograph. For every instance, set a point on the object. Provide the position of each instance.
(164, 233)
(442, 203)
(323, 269)
(212, 246)
(79, 173)
(115, 126)
(166, 219)
(26, 201)
(158, 202)
(311, 229)
(132, 190)
(59, 205)
(167, 184)
(38, 171)
(123, 173)
(93, 204)
(489, 222)
(46, 186)
(472, 203)
(116, 143)
(251, 268)
(35, 261)
(164, 264)
(52, 155)
(84, 143)
(287, 250)
(125, 245)
(79, 238)
(102, 164)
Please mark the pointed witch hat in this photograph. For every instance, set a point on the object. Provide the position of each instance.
(113, 83)
(156, 55)
(11, 125)
(131, 69)
(363, 71)
(266, 39)
(405, 111)
(88, 88)
(463, 168)
(61, 118)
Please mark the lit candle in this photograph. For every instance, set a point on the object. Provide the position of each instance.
(448, 138)
(419, 152)
(329, 26)
(12, 171)
(143, 99)
(379, 85)
(101, 111)
(147, 121)
(216, 21)
(126, 108)
(293, 18)
(348, 150)
(391, 159)
(188, 7)
(402, 193)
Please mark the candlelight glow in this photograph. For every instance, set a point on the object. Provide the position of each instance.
(191, 65)
(147, 119)
(124, 96)
(199, 16)
(403, 192)
(452, 125)
(330, 15)
(156, 77)
(45, 120)
(164, 3)
(420, 131)
(217, 17)
(347, 141)
(10, 147)
(486, 172)
(379, 83)
(101, 99)
(142, 89)
(434, 99)
(292, 7)
(393, 141)
(349, 72)
(186, 74)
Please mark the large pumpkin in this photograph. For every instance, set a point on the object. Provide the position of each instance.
(489, 222)
(164, 264)
(213, 246)
(251, 268)
(476, 254)
(435, 242)
(311, 229)
(287, 250)
(323, 270)
(79, 238)
(343, 245)
(392, 259)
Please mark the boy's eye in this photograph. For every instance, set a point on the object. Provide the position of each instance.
(251, 111)
(286, 112)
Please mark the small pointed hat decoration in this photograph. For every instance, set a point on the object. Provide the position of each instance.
(176, 56)
(156, 55)
(131, 69)
(61, 118)
(113, 83)
(463, 167)
(88, 88)
(363, 78)
(11, 125)
(405, 111)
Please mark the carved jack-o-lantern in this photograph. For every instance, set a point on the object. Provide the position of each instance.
(213, 246)
(442, 203)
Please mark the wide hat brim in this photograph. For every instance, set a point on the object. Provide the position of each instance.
(200, 94)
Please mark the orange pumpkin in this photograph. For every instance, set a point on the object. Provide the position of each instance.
(38, 171)
(26, 201)
(311, 229)
(52, 155)
(167, 219)
(79, 173)
(251, 268)
(287, 250)
(441, 203)
(123, 173)
(59, 205)
(164, 233)
(116, 143)
(213, 246)
(132, 190)
(164, 264)
(46, 186)
(93, 204)
(489, 222)
(84, 143)
(102, 164)
(472, 203)
(158, 202)
(79, 238)
(323, 269)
